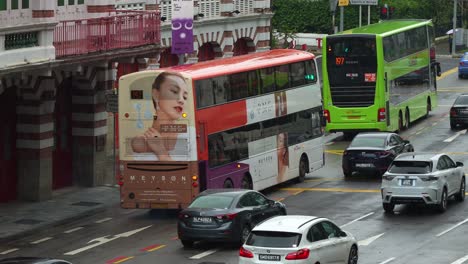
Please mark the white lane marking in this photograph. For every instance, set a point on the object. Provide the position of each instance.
(369, 240)
(104, 239)
(103, 220)
(452, 138)
(329, 143)
(453, 227)
(9, 251)
(41, 240)
(204, 254)
(387, 261)
(73, 230)
(461, 260)
(355, 220)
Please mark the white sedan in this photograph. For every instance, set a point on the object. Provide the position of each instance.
(299, 239)
(421, 178)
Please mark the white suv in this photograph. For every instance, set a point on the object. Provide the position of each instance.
(422, 178)
(299, 239)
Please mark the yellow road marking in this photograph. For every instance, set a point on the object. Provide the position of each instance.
(122, 260)
(324, 179)
(447, 73)
(280, 199)
(336, 151)
(156, 248)
(298, 192)
(331, 190)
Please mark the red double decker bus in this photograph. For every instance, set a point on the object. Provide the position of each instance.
(250, 121)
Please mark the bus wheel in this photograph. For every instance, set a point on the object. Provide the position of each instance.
(246, 183)
(302, 170)
(407, 119)
(228, 184)
(428, 108)
(400, 122)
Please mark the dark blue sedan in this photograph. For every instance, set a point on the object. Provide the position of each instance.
(463, 66)
(225, 215)
(372, 153)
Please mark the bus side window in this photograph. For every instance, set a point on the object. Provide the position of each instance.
(204, 90)
(220, 87)
(297, 74)
(282, 77)
(310, 72)
(238, 84)
(254, 84)
(267, 78)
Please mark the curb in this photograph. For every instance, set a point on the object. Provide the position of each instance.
(16, 236)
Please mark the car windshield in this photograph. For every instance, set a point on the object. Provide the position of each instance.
(374, 142)
(273, 239)
(411, 167)
(462, 100)
(212, 201)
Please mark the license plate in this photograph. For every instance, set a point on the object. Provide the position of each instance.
(354, 117)
(364, 165)
(406, 182)
(202, 219)
(269, 257)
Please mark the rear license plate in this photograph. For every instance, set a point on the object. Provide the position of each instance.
(364, 165)
(202, 219)
(269, 257)
(406, 182)
(354, 117)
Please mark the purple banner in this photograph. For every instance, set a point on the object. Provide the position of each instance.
(182, 26)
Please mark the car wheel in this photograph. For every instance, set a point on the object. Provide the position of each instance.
(460, 76)
(187, 243)
(244, 234)
(302, 170)
(228, 184)
(442, 206)
(246, 183)
(347, 174)
(453, 125)
(353, 255)
(460, 196)
(388, 207)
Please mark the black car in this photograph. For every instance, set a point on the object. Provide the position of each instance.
(225, 215)
(373, 152)
(459, 111)
(33, 260)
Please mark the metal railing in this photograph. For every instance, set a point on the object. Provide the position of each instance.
(127, 30)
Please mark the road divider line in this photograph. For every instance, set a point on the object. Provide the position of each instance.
(119, 260)
(9, 251)
(324, 179)
(460, 260)
(332, 190)
(453, 227)
(447, 73)
(204, 254)
(156, 248)
(387, 261)
(73, 230)
(41, 240)
(369, 240)
(298, 192)
(280, 199)
(452, 138)
(103, 220)
(357, 219)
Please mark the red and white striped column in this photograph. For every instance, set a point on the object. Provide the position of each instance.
(262, 38)
(35, 138)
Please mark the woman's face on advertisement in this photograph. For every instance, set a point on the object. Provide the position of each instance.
(172, 96)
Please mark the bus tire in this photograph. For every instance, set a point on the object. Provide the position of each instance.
(302, 169)
(246, 182)
(407, 119)
(428, 107)
(400, 122)
(228, 184)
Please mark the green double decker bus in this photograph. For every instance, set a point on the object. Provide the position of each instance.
(379, 77)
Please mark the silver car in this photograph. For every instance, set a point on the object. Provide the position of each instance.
(422, 178)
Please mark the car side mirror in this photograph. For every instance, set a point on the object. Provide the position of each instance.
(459, 164)
(406, 141)
(271, 202)
(343, 234)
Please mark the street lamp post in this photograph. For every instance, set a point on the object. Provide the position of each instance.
(454, 26)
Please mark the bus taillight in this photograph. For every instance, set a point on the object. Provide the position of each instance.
(326, 114)
(381, 115)
(195, 182)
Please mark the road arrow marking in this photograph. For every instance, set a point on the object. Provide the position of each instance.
(9, 251)
(452, 138)
(387, 261)
(355, 220)
(369, 240)
(461, 260)
(41, 240)
(453, 227)
(102, 240)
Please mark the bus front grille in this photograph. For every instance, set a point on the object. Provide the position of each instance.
(352, 96)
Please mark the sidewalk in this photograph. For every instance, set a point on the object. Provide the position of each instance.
(24, 218)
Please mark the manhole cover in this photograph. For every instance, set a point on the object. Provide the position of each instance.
(89, 204)
(28, 221)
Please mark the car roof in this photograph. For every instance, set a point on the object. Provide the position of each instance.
(418, 156)
(225, 192)
(287, 223)
(375, 134)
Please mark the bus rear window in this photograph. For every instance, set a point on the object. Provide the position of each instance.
(273, 239)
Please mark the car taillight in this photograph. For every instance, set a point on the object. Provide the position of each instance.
(428, 178)
(245, 253)
(326, 114)
(226, 217)
(300, 254)
(183, 216)
(453, 112)
(383, 153)
(462, 63)
(381, 114)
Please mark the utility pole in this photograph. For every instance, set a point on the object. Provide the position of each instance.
(341, 18)
(454, 28)
(360, 15)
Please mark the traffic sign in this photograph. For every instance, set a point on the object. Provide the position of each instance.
(343, 3)
(364, 2)
(333, 4)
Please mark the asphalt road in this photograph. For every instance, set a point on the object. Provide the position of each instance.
(413, 235)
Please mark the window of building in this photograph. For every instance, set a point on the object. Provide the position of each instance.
(80, 2)
(25, 4)
(71, 2)
(14, 4)
(60, 2)
(3, 4)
